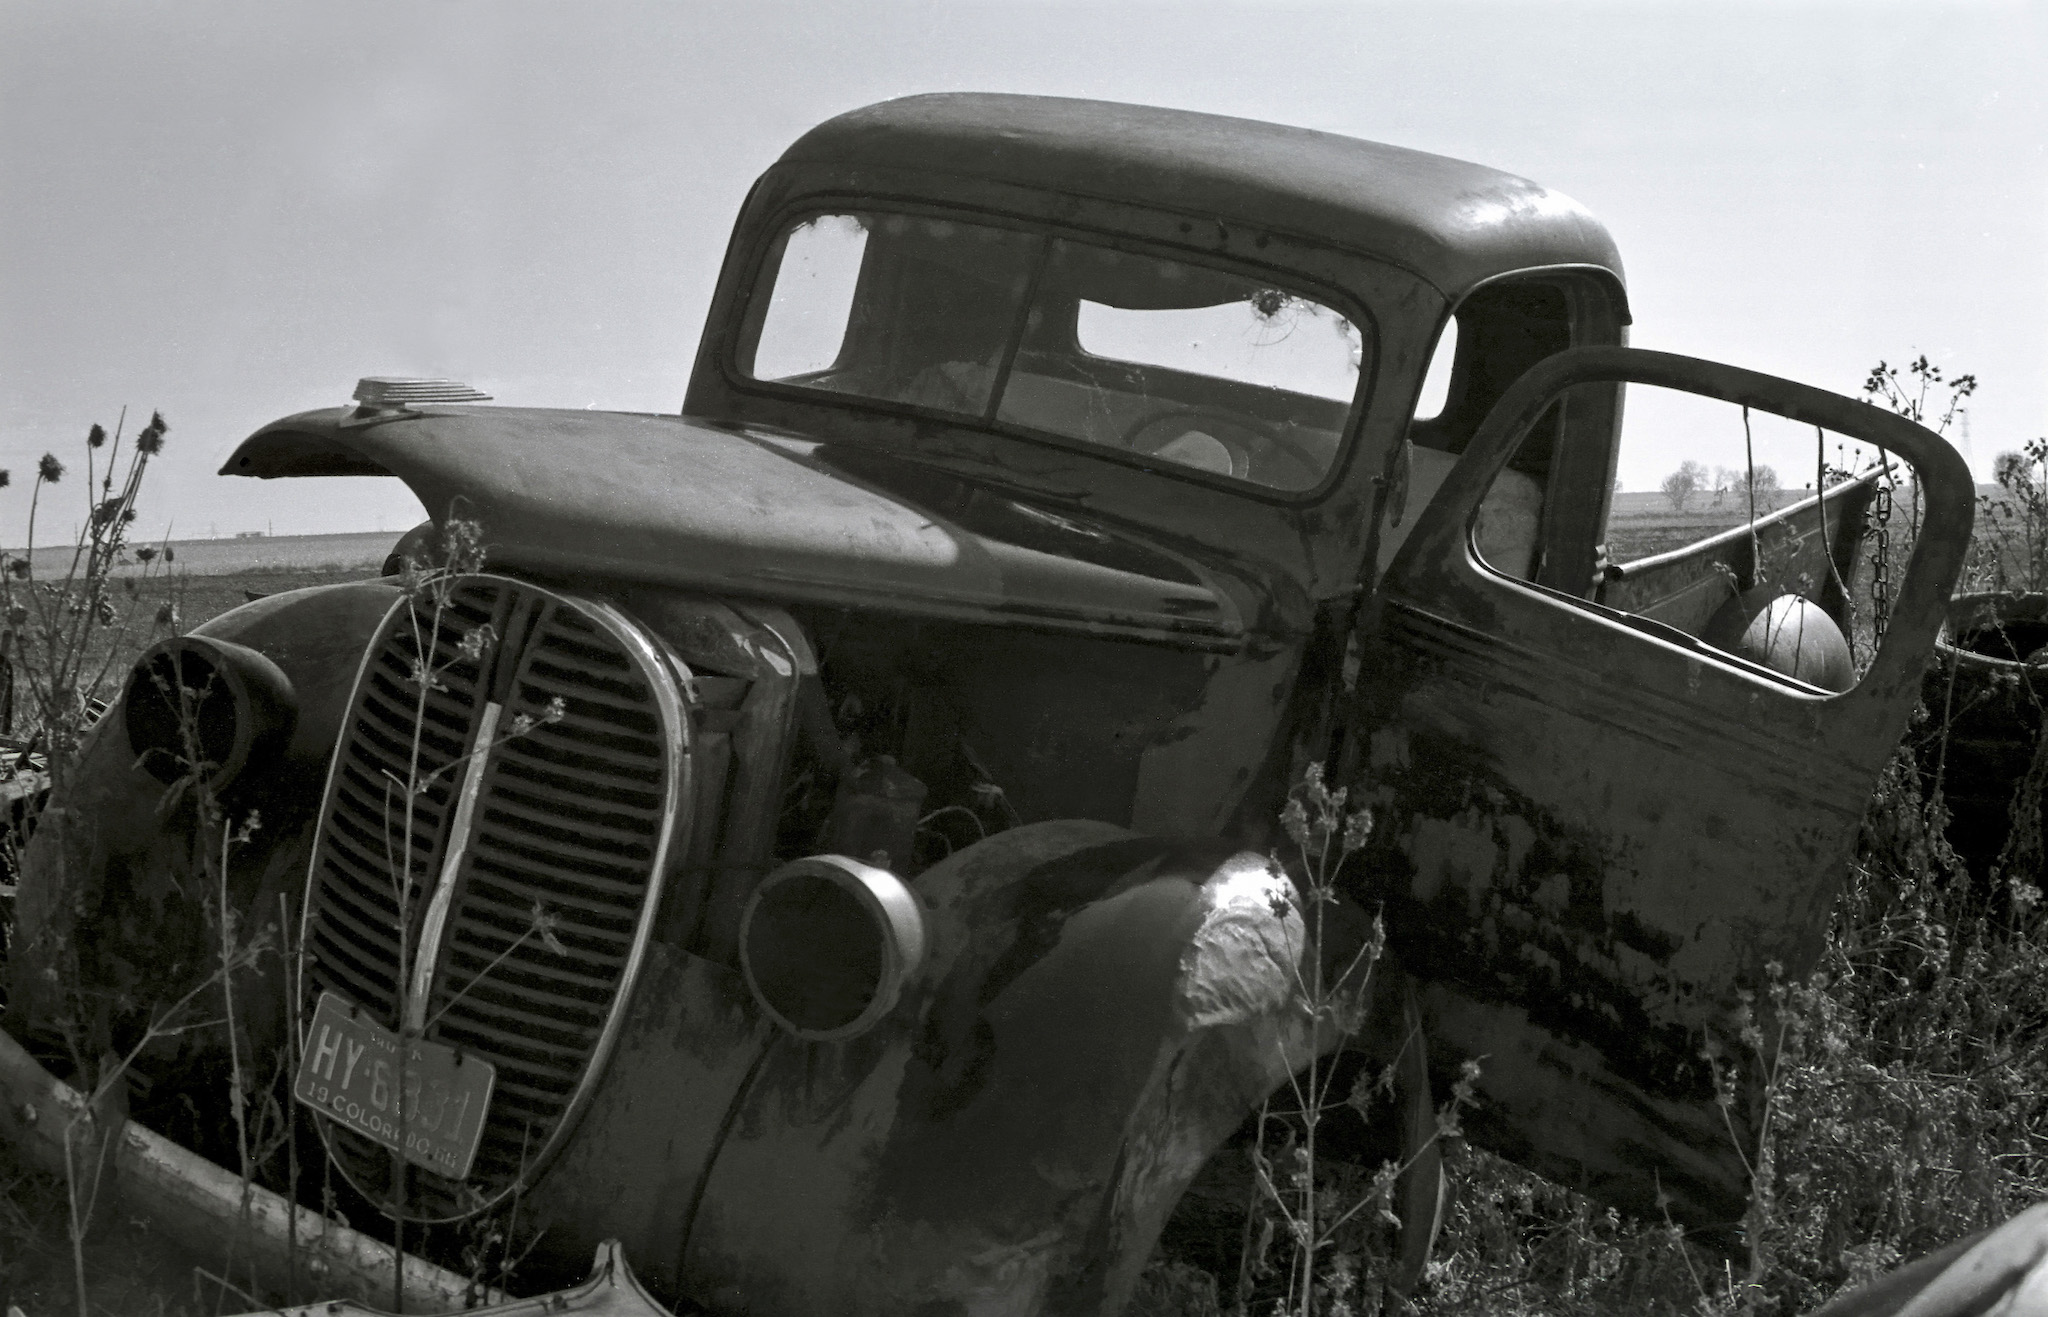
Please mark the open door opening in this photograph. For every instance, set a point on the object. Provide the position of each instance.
(1610, 797)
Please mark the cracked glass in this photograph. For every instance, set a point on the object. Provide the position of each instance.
(1160, 360)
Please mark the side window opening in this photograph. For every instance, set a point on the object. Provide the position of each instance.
(1436, 382)
(1502, 330)
(1494, 336)
(804, 321)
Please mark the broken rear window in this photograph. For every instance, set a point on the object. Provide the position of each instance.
(1156, 358)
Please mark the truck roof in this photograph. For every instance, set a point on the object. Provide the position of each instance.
(1454, 223)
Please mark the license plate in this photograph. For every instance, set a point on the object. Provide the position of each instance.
(350, 1074)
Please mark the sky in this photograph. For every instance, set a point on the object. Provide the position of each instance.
(231, 211)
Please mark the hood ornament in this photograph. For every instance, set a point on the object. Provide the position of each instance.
(389, 393)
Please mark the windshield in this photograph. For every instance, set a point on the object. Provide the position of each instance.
(1155, 358)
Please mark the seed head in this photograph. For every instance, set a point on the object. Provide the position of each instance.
(476, 641)
(96, 436)
(1294, 821)
(1357, 829)
(49, 469)
(462, 542)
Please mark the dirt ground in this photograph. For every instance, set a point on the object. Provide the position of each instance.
(128, 1269)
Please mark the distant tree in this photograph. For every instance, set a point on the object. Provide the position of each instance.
(2015, 471)
(1763, 485)
(1682, 484)
(1726, 481)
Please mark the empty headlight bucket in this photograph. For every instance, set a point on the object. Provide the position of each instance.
(827, 943)
(238, 706)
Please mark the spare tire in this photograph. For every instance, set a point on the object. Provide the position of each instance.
(1985, 704)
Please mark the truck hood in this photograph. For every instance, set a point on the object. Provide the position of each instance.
(681, 502)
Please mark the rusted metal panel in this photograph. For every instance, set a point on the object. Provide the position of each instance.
(1594, 834)
(639, 1165)
(611, 1290)
(669, 501)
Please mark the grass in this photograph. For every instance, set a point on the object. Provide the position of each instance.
(128, 1268)
(1907, 1083)
(75, 621)
(1901, 1087)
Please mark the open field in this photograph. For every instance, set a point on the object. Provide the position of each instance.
(206, 578)
(198, 597)
(1640, 525)
(361, 551)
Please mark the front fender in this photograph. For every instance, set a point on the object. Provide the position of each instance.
(111, 914)
(1099, 1012)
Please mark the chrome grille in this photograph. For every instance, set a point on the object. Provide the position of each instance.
(576, 816)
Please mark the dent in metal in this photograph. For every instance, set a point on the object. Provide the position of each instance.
(1012, 1138)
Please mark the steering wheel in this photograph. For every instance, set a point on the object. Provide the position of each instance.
(1212, 439)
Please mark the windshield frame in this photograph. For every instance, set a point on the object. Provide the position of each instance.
(749, 310)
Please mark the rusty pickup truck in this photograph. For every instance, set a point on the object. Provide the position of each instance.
(822, 840)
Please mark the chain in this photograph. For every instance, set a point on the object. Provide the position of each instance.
(1880, 563)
